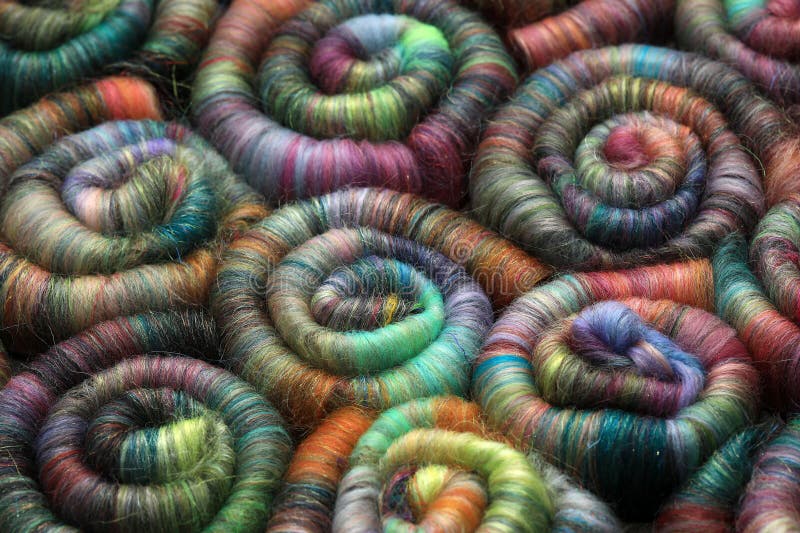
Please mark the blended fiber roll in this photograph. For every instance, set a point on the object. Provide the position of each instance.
(771, 500)
(27, 132)
(761, 38)
(360, 298)
(590, 24)
(126, 217)
(305, 501)
(113, 428)
(46, 46)
(760, 296)
(631, 155)
(425, 464)
(710, 499)
(625, 379)
(388, 93)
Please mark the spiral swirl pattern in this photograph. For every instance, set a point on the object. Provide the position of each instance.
(373, 92)
(48, 46)
(27, 132)
(631, 155)
(366, 300)
(623, 378)
(763, 304)
(761, 38)
(433, 462)
(519, 12)
(589, 24)
(104, 429)
(125, 217)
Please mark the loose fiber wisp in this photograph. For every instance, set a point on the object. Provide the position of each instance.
(432, 465)
(105, 431)
(761, 38)
(48, 46)
(758, 294)
(589, 24)
(631, 154)
(375, 92)
(126, 217)
(623, 378)
(360, 298)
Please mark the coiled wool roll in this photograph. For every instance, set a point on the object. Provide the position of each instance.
(710, 499)
(388, 93)
(126, 217)
(631, 155)
(761, 38)
(46, 46)
(103, 431)
(25, 133)
(623, 378)
(760, 296)
(430, 464)
(589, 24)
(359, 298)
(770, 500)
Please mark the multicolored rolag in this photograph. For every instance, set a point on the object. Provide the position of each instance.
(46, 46)
(27, 132)
(631, 155)
(386, 93)
(115, 429)
(589, 24)
(761, 38)
(427, 465)
(623, 378)
(709, 501)
(770, 500)
(360, 298)
(126, 217)
(763, 304)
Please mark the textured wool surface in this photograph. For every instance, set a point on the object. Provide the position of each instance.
(411, 466)
(760, 38)
(349, 98)
(27, 132)
(623, 378)
(590, 24)
(770, 500)
(710, 498)
(758, 294)
(399, 265)
(49, 46)
(366, 297)
(118, 426)
(125, 217)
